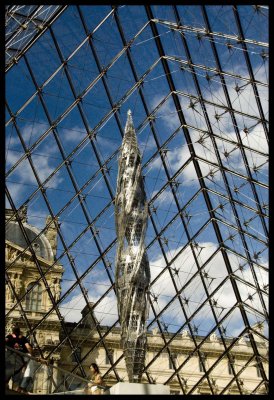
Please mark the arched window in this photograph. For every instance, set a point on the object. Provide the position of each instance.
(173, 357)
(202, 361)
(34, 297)
(231, 364)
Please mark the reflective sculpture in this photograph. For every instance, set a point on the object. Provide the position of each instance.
(132, 274)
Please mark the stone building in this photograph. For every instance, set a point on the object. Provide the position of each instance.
(26, 287)
(179, 349)
(24, 272)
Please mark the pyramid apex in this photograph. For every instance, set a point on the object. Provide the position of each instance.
(129, 123)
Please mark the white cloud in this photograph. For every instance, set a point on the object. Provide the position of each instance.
(44, 169)
(255, 139)
(73, 135)
(106, 142)
(166, 113)
(178, 157)
(31, 132)
(15, 191)
(194, 292)
(216, 269)
(23, 174)
(105, 312)
(148, 143)
(165, 197)
(39, 221)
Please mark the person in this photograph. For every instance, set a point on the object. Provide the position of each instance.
(92, 387)
(26, 383)
(15, 363)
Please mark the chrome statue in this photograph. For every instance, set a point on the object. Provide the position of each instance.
(132, 274)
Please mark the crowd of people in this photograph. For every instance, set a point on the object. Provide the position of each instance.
(21, 365)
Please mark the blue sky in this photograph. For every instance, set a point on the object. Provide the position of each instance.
(74, 133)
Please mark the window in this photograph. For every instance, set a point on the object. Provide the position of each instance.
(36, 247)
(231, 364)
(109, 356)
(34, 297)
(202, 360)
(173, 357)
(259, 374)
(230, 371)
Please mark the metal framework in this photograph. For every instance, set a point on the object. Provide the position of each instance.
(24, 25)
(196, 80)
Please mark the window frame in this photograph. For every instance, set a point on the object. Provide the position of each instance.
(34, 300)
(201, 367)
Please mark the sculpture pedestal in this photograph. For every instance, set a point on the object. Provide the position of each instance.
(138, 388)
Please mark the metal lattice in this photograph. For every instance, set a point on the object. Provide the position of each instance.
(24, 25)
(196, 80)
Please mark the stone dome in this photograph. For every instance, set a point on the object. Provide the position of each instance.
(41, 245)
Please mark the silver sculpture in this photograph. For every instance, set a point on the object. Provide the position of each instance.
(132, 275)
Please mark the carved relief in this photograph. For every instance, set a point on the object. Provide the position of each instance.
(25, 259)
(41, 338)
(15, 281)
(51, 234)
(241, 341)
(185, 334)
(213, 337)
(9, 297)
(155, 331)
(11, 253)
(56, 289)
(9, 326)
(17, 284)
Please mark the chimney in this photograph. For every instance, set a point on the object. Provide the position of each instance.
(87, 314)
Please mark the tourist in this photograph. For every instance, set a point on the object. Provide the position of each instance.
(96, 380)
(16, 363)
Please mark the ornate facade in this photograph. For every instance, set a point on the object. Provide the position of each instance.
(179, 350)
(24, 286)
